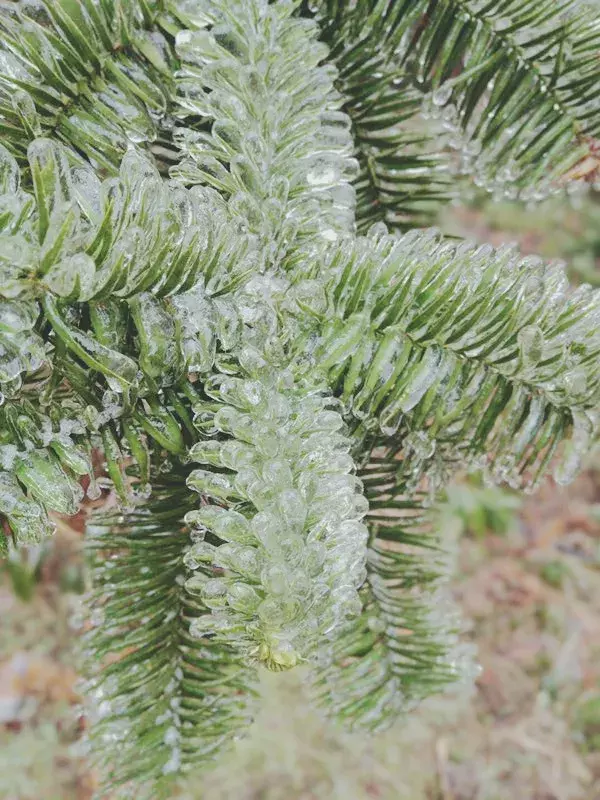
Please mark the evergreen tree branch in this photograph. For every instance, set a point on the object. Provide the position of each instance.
(405, 645)
(483, 357)
(80, 259)
(404, 174)
(405, 178)
(285, 510)
(162, 700)
(279, 149)
(95, 76)
(515, 83)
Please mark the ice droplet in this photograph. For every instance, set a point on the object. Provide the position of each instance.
(531, 344)
(9, 172)
(574, 450)
(575, 382)
(442, 94)
(322, 172)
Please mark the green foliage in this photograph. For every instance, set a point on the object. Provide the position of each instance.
(21, 576)
(403, 646)
(404, 174)
(293, 551)
(468, 353)
(513, 86)
(277, 399)
(94, 76)
(163, 697)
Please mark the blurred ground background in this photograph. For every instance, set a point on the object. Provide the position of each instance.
(528, 581)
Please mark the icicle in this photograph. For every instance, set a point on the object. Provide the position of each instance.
(574, 449)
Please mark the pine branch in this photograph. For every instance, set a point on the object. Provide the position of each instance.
(405, 178)
(84, 254)
(516, 85)
(405, 645)
(483, 356)
(95, 76)
(289, 538)
(279, 149)
(164, 702)
(404, 173)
